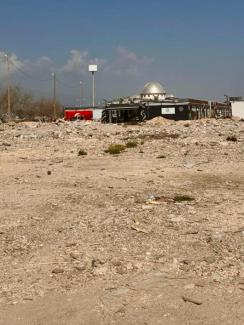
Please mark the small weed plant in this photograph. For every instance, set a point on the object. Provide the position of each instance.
(183, 198)
(115, 148)
(82, 152)
(131, 144)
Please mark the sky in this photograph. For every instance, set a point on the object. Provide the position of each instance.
(194, 48)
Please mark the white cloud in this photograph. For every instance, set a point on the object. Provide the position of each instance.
(125, 62)
(76, 62)
(38, 69)
(79, 60)
(15, 63)
(41, 68)
(129, 63)
(124, 65)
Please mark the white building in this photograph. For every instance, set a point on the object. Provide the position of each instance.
(97, 114)
(237, 105)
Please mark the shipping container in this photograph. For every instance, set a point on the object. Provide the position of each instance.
(78, 113)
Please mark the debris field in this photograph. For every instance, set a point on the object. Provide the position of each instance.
(122, 224)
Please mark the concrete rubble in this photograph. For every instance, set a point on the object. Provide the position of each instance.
(70, 221)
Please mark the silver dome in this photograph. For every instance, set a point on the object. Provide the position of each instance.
(153, 88)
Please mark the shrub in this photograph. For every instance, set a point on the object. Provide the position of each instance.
(232, 138)
(183, 198)
(82, 152)
(161, 157)
(115, 149)
(25, 106)
(131, 144)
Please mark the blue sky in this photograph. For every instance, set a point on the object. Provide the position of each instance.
(194, 48)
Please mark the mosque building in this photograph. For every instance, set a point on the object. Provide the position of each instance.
(154, 101)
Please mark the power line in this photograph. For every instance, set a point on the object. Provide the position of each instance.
(42, 80)
(68, 84)
(27, 74)
(53, 77)
(38, 79)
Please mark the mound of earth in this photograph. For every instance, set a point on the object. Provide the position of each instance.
(159, 120)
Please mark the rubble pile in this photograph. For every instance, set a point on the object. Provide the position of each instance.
(72, 214)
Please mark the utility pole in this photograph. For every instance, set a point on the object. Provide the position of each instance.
(210, 108)
(9, 86)
(54, 96)
(80, 93)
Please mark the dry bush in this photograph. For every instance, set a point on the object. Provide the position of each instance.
(158, 136)
(25, 107)
(82, 152)
(44, 109)
(131, 144)
(183, 198)
(115, 148)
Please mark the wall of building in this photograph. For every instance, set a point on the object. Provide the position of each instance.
(97, 114)
(238, 108)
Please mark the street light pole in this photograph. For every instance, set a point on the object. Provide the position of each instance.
(93, 68)
(93, 88)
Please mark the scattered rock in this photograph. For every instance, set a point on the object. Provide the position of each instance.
(210, 259)
(98, 271)
(96, 262)
(80, 267)
(193, 301)
(71, 244)
(29, 298)
(75, 255)
(189, 286)
(138, 229)
(161, 157)
(58, 270)
(187, 261)
(121, 269)
(121, 310)
(116, 263)
(177, 218)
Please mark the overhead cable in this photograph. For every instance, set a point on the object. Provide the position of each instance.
(27, 74)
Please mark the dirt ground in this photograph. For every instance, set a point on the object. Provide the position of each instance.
(153, 235)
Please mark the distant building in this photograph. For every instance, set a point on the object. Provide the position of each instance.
(237, 105)
(154, 101)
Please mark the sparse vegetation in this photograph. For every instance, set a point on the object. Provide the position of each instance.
(232, 138)
(161, 157)
(82, 152)
(183, 198)
(158, 136)
(25, 107)
(83, 202)
(131, 144)
(115, 149)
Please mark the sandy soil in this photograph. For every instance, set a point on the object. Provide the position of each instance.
(109, 239)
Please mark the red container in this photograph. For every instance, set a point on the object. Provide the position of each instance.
(76, 114)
